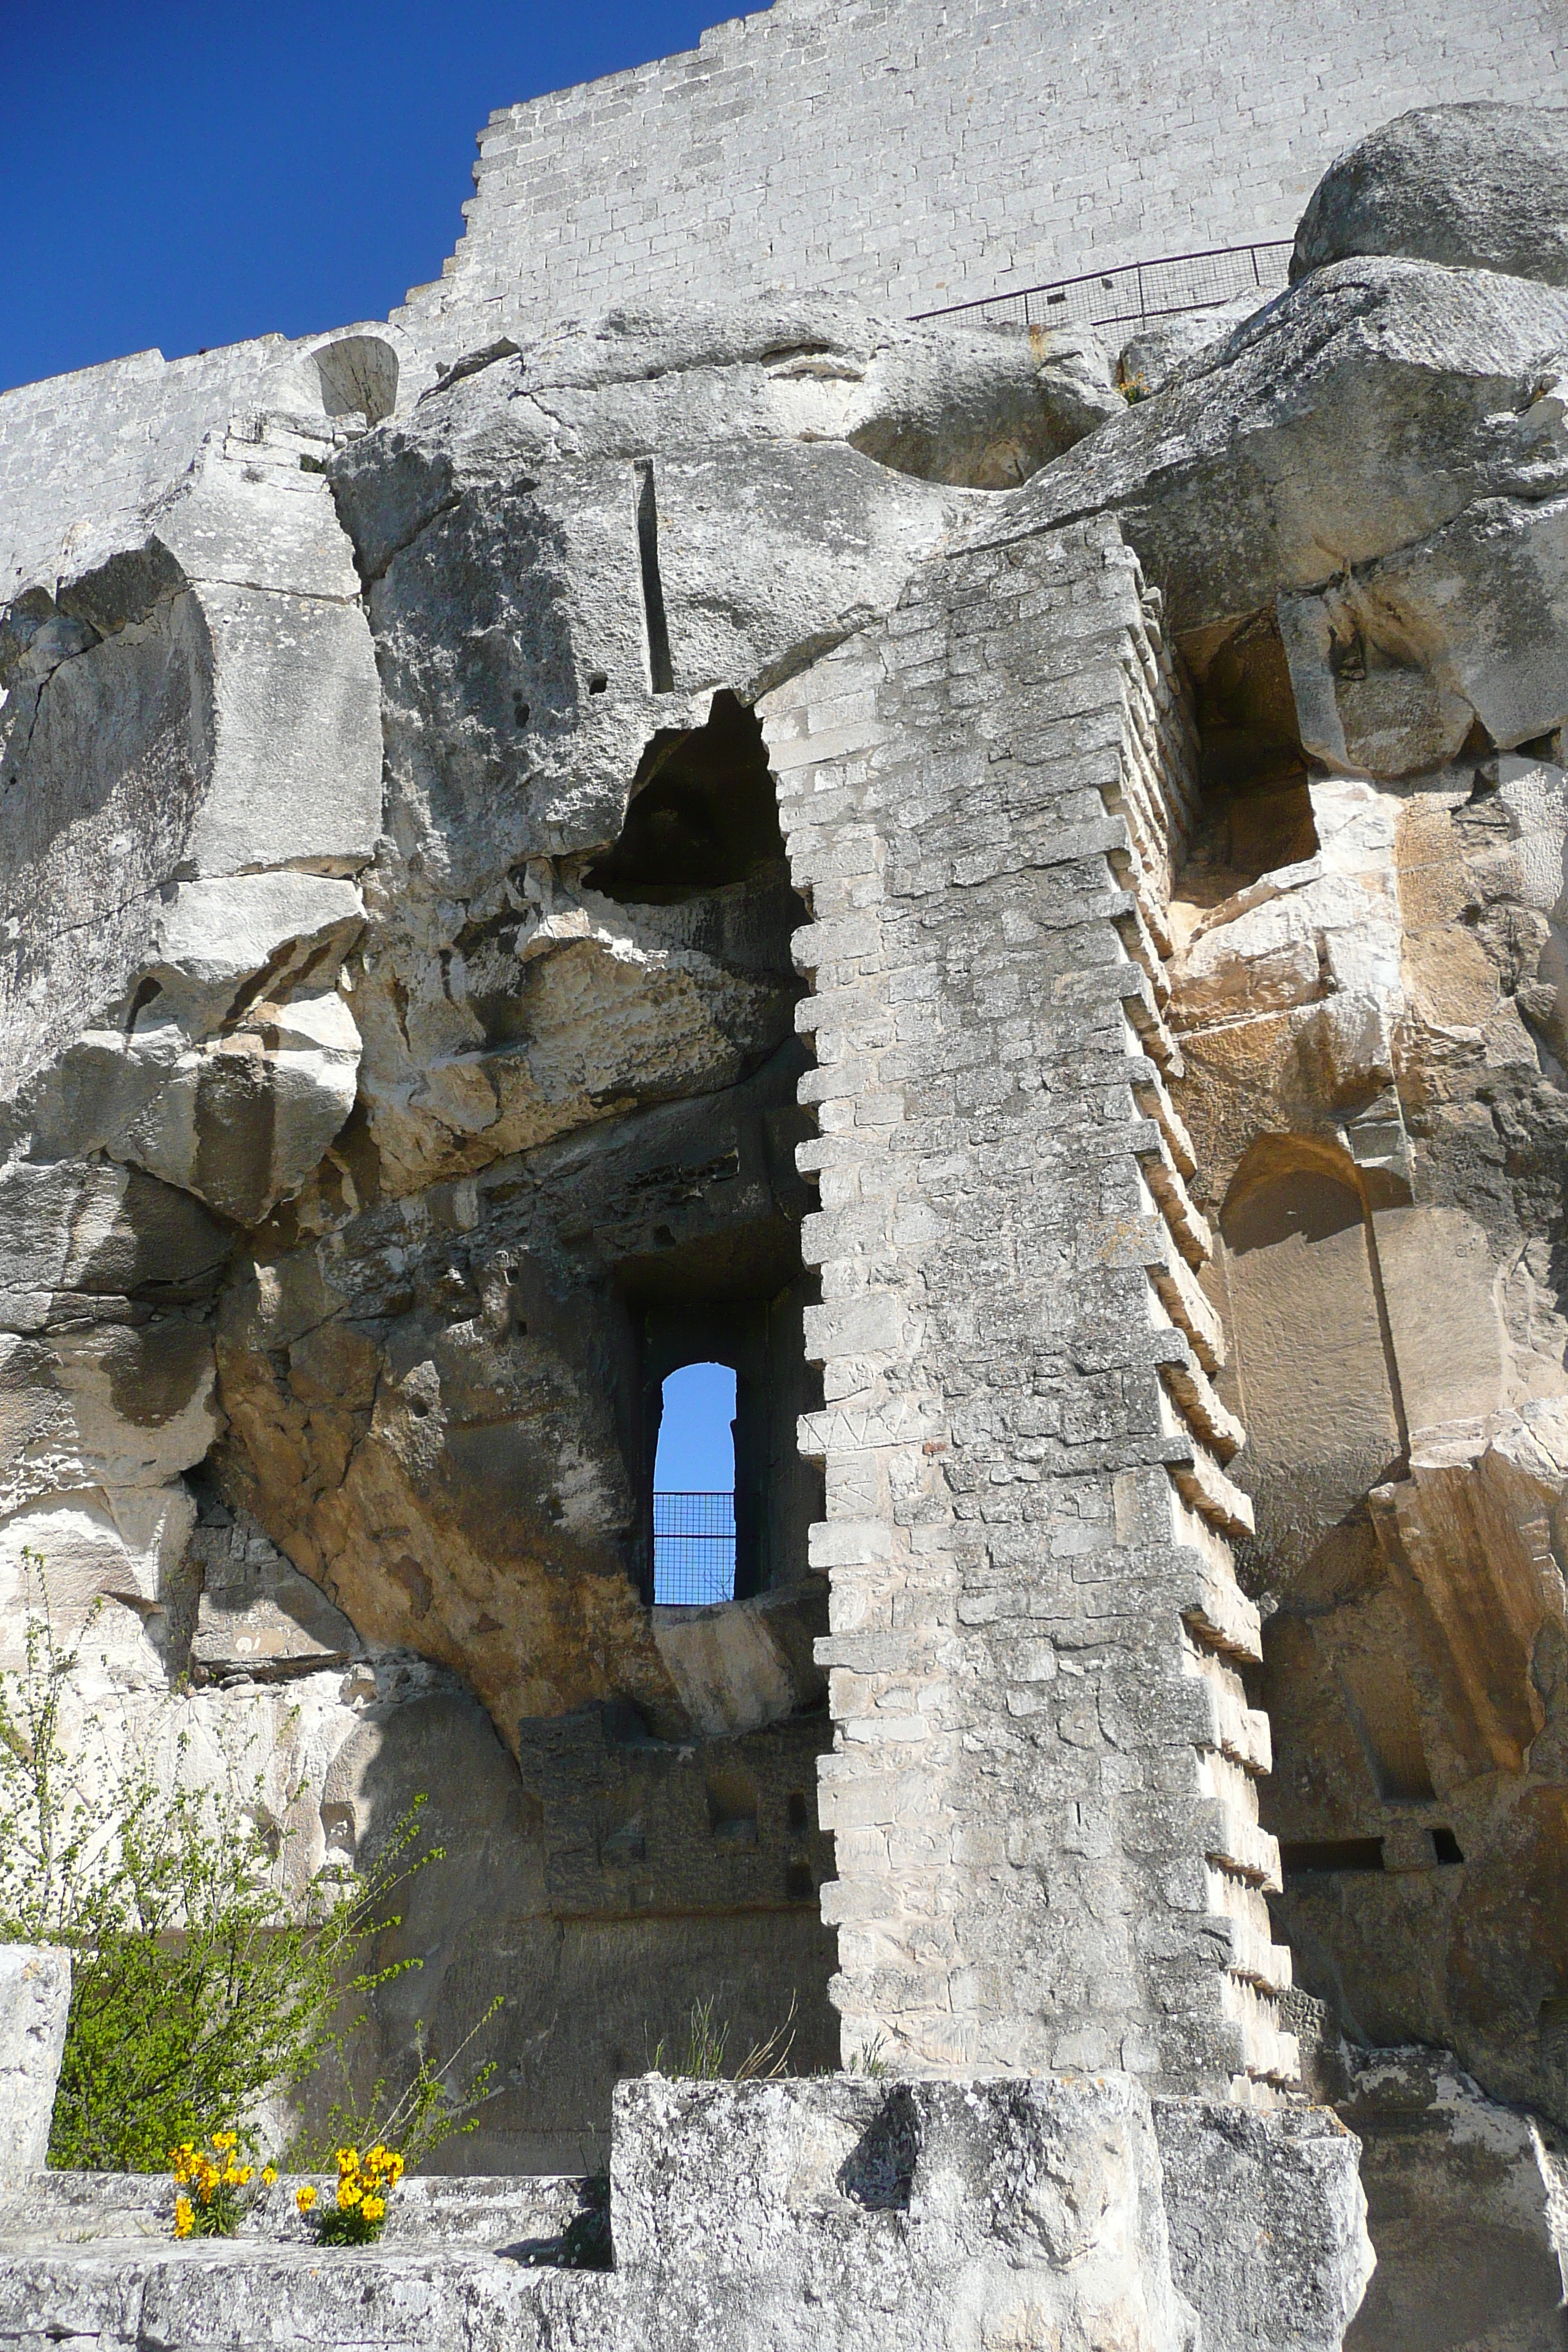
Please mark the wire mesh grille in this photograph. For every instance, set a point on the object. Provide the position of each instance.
(693, 1547)
(1144, 290)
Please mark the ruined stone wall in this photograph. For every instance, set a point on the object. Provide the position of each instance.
(920, 155)
(84, 453)
(1042, 1789)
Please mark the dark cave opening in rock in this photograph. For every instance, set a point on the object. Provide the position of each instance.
(701, 814)
(1257, 812)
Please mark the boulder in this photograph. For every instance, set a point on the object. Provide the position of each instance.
(1380, 455)
(1268, 2223)
(1467, 2206)
(1479, 186)
(1360, 411)
(1158, 353)
(844, 2212)
(184, 807)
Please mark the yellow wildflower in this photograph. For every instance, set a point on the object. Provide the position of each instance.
(305, 2198)
(350, 2190)
(184, 2218)
(226, 2139)
(348, 2160)
(269, 2175)
(373, 2208)
(394, 2168)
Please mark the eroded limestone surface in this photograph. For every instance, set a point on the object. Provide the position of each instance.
(825, 2214)
(1036, 930)
(402, 1075)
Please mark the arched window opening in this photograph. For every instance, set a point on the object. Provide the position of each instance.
(694, 1489)
(726, 1500)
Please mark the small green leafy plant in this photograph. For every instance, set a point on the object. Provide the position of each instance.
(871, 2058)
(435, 2105)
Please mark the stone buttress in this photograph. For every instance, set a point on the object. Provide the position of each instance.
(1043, 1786)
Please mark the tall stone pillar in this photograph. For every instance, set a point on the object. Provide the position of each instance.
(1043, 1782)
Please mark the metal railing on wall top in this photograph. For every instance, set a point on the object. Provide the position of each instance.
(1136, 293)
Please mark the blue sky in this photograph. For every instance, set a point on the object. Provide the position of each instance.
(184, 173)
(696, 1450)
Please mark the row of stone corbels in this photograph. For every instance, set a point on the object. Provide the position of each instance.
(882, 1792)
(1150, 794)
(1157, 798)
(893, 1609)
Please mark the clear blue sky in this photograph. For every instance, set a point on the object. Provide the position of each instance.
(696, 1450)
(186, 172)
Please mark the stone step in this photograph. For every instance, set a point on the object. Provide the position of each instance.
(481, 2211)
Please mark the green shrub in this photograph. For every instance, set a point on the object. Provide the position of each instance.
(200, 1986)
(415, 2119)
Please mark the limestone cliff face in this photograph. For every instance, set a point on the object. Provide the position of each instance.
(1355, 503)
(401, 1032)
(401, 1071)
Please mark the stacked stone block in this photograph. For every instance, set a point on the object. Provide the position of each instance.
(926, 154)
(1042, 1789)
(127, 430)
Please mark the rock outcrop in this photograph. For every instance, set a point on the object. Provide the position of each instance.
(400, 1073)
(1033, 927)
(1468, 2203)
(1476, 187)
(1352, 505)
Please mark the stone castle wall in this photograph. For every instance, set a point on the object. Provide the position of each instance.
(84, 455)
(924, 154)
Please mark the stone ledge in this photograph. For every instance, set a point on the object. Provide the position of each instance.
(837, 2213)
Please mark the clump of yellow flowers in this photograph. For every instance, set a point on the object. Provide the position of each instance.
(358, 2214)
(212, 2184)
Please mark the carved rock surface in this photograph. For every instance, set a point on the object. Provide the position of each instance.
(1268, 2223)
(973, 2216)
(1380, 453)
(1468, 2206)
